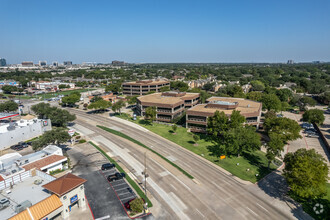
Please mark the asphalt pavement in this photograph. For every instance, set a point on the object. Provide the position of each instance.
(213, 194)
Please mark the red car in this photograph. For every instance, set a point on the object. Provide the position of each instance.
(127, 206)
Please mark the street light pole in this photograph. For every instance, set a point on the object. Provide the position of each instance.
(145, 182)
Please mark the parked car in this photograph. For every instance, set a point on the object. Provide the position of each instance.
(116, 176)
(313, 135)
(16, 147)
(127, 206)
(23, 144)
(107, 166)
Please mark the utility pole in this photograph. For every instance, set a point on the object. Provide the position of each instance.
(145, 182)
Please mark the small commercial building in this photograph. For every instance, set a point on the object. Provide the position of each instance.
(60, 197)
(71, 192)
(196, 117)
(169, 105)
(142, 87)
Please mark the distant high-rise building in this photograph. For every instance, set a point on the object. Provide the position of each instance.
(118, 63)
(67, 63)
(3, 62)
(290, 62)
(27, 63)
(55, 63)
(42, 63)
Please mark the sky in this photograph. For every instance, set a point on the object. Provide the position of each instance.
(162, 31)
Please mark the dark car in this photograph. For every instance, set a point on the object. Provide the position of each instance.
(107, 166)
(17, 147)
(116, 176)
(127, 205)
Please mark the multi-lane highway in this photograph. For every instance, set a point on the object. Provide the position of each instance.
(213, 194)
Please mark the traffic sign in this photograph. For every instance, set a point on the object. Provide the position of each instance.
(71, 132)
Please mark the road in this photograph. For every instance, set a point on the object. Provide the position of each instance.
(213, 194)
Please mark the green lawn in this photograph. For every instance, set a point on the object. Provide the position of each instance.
(256, 162)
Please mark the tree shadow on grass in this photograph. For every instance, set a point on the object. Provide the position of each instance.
(145, 122)
(255, 160)
(191, 142)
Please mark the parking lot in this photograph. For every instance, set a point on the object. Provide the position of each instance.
(105, 199)
(121, 188)
(307, 141)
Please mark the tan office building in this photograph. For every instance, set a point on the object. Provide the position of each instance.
(169, 105)
(196, 117)
(142, 87)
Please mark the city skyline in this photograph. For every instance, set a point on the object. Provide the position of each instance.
(165, 32)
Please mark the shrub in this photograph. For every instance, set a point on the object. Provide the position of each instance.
(174, 128)
(82, 141)
(136, 205)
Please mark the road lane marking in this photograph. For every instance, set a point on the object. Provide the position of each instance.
(200, 213)
(252, 211)
(262, 207)
(104, 217)
(173, 187)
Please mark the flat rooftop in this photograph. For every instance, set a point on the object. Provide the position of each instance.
(159, 98)
(245, 106)
(21, 192)
(146, 82)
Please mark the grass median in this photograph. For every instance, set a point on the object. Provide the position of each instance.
(133, 184)
(251, 167)
(118, 133)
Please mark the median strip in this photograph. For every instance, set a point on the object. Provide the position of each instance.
(128, 178)
(118, 133)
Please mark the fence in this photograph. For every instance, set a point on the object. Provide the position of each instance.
(324, 139)
(45, 175)
(6, 183)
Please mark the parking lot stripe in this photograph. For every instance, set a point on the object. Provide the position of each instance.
(104, 217)
(119, 184)
(120, 194)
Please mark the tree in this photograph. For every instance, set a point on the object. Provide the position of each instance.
(117, 106)
(274, 147)
(314, 116)
(9, 89)
(196, 138)
(306, 173)
(209, 86)
(286, 128)
(257, 85)
(9, 106)
(236, 119)
(270, 114)
(63, 86)
(56, 136)
(174, 128)
(165, 89)
(100, 105)
(136, 205)
(284, 94)
(151, 113)
(203, 96)
(241, 139)
(115, 88)
(217, 124)
(255, 96)
(271, 102)
(132, 100)
(178, 85)
(58, 117)
(96, 98)
(71, 99)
